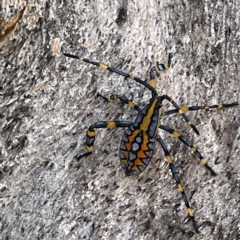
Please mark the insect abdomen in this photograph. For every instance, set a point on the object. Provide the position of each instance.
(136, 151)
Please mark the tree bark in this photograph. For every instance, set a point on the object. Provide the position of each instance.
(48, 102)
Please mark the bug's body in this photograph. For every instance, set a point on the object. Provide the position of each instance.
(137, 145)
(138, 141)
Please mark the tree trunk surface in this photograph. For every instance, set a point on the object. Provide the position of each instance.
(48, 101)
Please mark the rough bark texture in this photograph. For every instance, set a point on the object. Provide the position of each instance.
(48, 101)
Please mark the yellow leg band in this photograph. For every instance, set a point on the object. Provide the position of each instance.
(190, 212)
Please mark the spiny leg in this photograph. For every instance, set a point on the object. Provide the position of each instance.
(123, 99)
(186, 142)
(111, 69)
(185, 117)
(157, 68)
(100, 124)
(195, 108)
(176, 178)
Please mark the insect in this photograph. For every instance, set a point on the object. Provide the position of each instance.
(138, 141)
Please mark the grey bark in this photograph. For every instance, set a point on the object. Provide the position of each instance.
(48, 101)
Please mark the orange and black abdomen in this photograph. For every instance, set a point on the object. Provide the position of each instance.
(138, 141)
(136, 151)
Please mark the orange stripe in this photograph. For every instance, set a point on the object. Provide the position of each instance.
(147, 119)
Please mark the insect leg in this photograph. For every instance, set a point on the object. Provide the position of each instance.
(195, 108)
(100, 124)
(176, 178)
(111, 69)
(123, 99)
(185, 141)
(185, 117)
